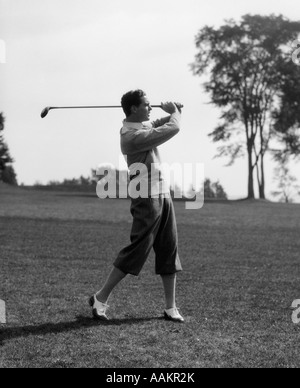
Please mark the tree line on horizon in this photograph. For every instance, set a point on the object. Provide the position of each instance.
(250, 76)
(211, 190)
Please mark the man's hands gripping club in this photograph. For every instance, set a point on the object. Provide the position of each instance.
(171, 107)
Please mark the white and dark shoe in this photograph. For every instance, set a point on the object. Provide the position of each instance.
(173, 315)
(99, 309)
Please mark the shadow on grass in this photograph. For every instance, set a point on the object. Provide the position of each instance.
(62, 327)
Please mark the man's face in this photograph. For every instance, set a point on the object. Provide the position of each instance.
(144, 110)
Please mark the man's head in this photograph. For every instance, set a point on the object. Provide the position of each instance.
(136, 106)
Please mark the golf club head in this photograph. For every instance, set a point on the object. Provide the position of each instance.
(45, 112)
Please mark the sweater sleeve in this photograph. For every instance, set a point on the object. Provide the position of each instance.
(147, 139)
(160, 122)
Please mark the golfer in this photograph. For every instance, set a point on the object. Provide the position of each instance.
(154, 224)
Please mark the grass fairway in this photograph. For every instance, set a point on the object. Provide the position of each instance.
(241, 276)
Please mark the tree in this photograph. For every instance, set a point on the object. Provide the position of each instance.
(287, 183)
(245, 61)
(214, 190)
(208, 190)
(9, 176)
(7, 173)
(219, 191)
(287, 116)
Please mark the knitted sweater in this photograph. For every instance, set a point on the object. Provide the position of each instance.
(139, 144)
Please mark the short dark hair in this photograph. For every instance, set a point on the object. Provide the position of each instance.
(130, 99)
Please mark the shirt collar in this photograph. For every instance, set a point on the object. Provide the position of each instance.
(127, 124)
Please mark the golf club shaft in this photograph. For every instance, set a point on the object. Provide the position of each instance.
(47, 110)
(95, 107)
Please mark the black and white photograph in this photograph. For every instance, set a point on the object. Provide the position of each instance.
(149, 187)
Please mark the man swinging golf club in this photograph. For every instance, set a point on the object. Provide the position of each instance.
(154, 224)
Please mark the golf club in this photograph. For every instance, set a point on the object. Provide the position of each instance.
(47, 110)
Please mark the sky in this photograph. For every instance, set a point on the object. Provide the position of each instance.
(91, 52)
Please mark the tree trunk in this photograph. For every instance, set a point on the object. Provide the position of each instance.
(262, 185)
(262, 165)
(251, 194)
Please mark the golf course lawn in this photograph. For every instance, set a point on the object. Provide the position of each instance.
(241, 262)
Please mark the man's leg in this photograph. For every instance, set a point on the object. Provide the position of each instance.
(169, 282)
(167, 259)
(115, 277)
(146, 221)
(171, 311)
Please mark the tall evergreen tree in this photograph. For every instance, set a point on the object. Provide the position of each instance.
(7, 173)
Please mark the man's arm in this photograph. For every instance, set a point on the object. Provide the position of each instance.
(145, 140)
(165, 120)
(160, 122)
